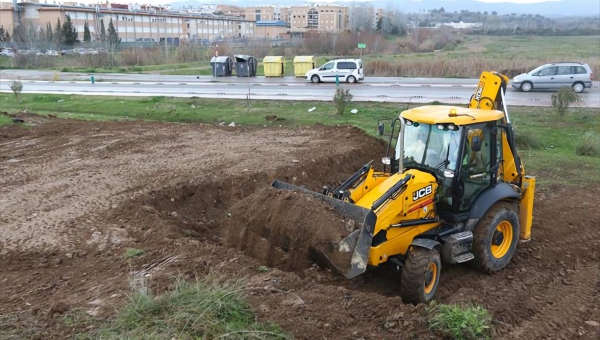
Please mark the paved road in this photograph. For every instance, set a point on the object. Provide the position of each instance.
(452, 91)
(99, 77)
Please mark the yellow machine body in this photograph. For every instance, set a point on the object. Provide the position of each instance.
(402, 204)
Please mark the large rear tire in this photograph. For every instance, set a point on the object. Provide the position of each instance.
(420, 276)
(495, 238)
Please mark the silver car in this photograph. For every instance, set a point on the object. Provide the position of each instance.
(554, 76)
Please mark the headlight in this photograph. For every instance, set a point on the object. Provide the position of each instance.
(386, 161)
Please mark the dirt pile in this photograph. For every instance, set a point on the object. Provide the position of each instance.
(285, 229)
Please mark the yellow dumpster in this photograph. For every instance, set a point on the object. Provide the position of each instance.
(303, 64)
(274, 66)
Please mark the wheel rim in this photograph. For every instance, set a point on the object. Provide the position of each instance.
(430, 278)
(526, 87)
(578, 87)
(351, 79)
(502, 239)
(315, 79)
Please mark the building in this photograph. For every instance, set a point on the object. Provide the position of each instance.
(319, 17)
(303, 18)
(267, 13)
(134, 23)
(231, 10)
(272, 29)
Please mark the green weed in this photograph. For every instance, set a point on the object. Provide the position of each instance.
(461, 322)
(133, 252)
(206, 309)
(588, 144)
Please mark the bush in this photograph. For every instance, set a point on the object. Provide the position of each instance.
(588, 144)
(17, 87)
(341, 99)
(461, 323)
(562, 99)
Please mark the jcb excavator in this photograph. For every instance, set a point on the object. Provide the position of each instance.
(454, 189)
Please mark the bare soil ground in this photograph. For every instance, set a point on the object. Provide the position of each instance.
(75, 195)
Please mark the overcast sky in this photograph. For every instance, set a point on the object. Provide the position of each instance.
(156, 2)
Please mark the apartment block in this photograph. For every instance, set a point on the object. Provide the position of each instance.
(319, 17)
(134, 23)
(303, 18)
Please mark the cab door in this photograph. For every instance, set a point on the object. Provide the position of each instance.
(327, 71)
(546, 78)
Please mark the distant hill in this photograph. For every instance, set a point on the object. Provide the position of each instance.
(552, 8)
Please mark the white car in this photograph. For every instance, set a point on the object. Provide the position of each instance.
(348, 70)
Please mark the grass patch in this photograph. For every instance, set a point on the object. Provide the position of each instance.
(133, 252)
(547, 142)
(4, 120)
(205, 309)
(461, 322)
(588, 144)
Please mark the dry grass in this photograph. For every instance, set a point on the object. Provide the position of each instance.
(467, 67)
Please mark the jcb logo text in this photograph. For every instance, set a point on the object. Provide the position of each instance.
(479, 91)
(417, 195)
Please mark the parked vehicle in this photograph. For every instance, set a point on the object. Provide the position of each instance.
(348, 70)
(579, 76)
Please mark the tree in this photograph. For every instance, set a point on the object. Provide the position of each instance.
(102, 31)
(69, 32)
(57, 37)
(49, 34)
(113, 36)
(87, 37)
(112, 40)
(494, 13)
(4, 37)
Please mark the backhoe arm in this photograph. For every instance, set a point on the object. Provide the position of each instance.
(487, 96)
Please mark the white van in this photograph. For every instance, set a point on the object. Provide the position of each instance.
(348, 70)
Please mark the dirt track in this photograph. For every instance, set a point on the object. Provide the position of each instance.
(75, 195)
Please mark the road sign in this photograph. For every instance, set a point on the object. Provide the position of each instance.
(362, 46)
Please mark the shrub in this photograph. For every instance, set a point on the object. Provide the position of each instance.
(186, 53)
(461, 323)
(562, 99)
(588, 144)
(341, 99)
(17, 87)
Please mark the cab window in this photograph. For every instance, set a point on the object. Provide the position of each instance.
(548, 71)
(564, 70)
(328, 66)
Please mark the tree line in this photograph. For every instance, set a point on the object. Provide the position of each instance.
(58, 36)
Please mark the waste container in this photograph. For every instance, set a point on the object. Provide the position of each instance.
(274, 66)
(221, 66)
(245, 65)
(303, 64)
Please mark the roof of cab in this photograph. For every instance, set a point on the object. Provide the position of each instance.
(439, 114)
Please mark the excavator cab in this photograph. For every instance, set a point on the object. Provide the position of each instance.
(453, 189)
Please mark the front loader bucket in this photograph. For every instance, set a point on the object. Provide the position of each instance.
(349, 256)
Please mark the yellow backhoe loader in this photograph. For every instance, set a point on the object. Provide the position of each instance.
(453, 189)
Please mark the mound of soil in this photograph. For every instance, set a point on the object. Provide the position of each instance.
(285, 229)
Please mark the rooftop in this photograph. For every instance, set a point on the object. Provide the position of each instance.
(439, 114)
(280, 23)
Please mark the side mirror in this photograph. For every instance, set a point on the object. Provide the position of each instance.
(476, 144)
(381, 128)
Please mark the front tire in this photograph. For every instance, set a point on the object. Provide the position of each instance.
(315, 79)
(526, 86)
(420, 276)
(351, 79)
(495, 238)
